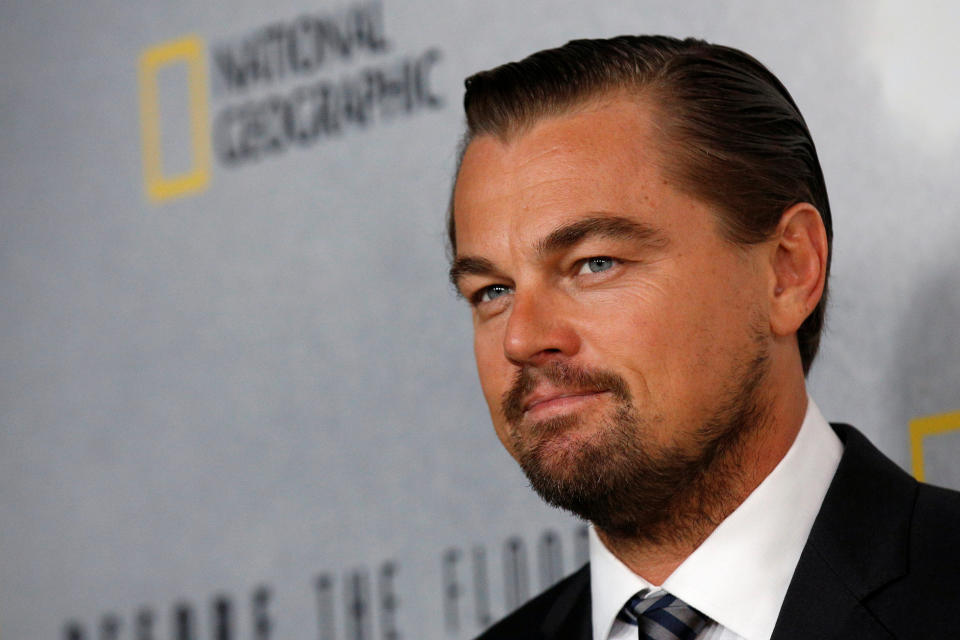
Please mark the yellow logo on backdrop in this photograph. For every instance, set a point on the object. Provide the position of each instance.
(191, 52)
(272, 89)
(920, 428)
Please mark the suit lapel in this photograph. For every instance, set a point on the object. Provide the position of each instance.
(569, 617)
(857, 545)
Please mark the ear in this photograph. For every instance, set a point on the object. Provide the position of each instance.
(799, 267)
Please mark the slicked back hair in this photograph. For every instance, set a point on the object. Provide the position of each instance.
(731, 134)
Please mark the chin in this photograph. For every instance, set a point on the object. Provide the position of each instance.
(559, 436)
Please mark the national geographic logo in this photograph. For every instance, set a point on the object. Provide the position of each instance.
(158, 183)
(272, 96)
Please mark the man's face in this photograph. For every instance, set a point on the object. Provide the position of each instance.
(609, 312)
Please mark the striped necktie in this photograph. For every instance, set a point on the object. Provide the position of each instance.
(663, 617)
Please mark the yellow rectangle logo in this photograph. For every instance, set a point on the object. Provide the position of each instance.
(920, 428)
(190, 51)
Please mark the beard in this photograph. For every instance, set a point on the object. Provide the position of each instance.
(619, 477)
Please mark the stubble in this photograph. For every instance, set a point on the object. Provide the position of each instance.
(619, 476)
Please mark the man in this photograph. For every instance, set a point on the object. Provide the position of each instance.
(642, 230)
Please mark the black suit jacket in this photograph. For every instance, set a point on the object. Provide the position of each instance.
(882, 561)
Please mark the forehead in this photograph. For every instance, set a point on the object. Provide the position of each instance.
(602, 157)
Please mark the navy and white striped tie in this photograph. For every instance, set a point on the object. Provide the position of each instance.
(663, 617)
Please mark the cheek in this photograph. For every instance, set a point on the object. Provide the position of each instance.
(495, 376)
(631, 325)
(670, 337)
(711, 329)
(492, 367)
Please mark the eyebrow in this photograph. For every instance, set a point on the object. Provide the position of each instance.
(469, 266)
(565, 237)
(615, 227)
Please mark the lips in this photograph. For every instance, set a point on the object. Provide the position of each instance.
(558, 388)
(543, 399)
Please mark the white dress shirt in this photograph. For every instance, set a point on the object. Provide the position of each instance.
(740, 574)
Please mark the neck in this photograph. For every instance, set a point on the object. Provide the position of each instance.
(733, 474)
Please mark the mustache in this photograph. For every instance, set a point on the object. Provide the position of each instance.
(563, 376)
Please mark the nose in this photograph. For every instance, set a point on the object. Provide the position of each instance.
(538, 330)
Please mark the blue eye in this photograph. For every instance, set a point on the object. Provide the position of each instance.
(492, 292)
(596, 265)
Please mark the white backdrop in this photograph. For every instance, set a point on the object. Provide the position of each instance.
(247, 407)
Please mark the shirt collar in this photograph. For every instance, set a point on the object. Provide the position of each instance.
(740, 574)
